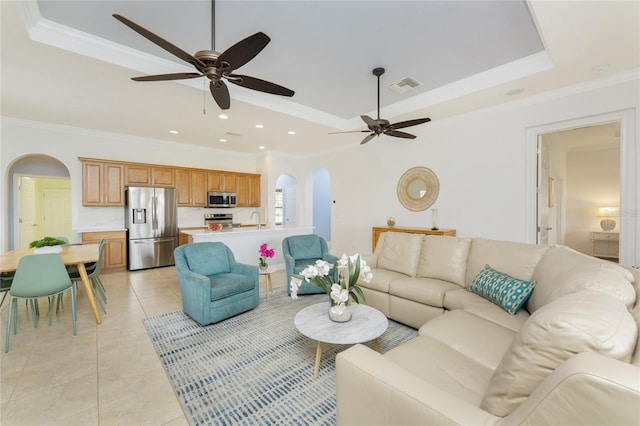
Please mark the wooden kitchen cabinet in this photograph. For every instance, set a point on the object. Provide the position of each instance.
(191, 186)
(248, 190)
(137, 175)
(163, 176)
(221, 181)
(102, 184)
(115, 248)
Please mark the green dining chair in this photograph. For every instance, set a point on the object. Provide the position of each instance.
(93, 272)
(38, 275)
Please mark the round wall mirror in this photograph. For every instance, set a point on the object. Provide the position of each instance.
(418, 189)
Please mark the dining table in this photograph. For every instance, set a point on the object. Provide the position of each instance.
(78, 255)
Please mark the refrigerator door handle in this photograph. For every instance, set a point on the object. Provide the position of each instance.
(155, 213)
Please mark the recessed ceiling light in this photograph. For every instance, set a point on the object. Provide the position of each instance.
(259, 126)
(262, 147)
(600, 68)
(223, 116)
(291, 132)
(222, 140)
(174, 132)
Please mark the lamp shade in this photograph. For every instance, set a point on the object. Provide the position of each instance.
(608, 211)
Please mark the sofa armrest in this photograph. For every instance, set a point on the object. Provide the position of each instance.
(371, 259)
(373, 390)
(586, 389)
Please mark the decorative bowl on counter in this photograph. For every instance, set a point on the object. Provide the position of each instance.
(214, 226)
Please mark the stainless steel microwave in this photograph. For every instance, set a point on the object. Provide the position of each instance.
(221, 199)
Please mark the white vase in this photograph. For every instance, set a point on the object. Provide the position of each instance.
(434, 219)
(339, 312)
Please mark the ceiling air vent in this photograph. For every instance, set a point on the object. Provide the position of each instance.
(232, 134)
(404, 85)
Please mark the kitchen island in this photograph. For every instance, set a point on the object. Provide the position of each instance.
(245, 242)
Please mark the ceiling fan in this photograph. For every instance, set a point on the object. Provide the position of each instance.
(214, 65)
(381, 126)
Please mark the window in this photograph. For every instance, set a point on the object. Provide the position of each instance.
(279, 207)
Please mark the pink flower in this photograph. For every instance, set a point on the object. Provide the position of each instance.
(266, 252)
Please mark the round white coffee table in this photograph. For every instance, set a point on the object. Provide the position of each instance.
(366, 324)
(268, 287)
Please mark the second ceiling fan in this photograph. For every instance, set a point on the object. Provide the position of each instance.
(381, 126)
(214, 65)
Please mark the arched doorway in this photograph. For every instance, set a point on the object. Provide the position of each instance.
(39, 198)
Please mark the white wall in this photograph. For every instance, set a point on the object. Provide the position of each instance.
(480, 160)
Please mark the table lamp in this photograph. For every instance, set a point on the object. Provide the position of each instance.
(608, 224)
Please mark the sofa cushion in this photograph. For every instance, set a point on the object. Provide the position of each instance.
(444, 258)
(207, 258)
(400, 252)
(515, 259)
(505, 291)
(468, 334)
(563, 270)
(428, 291)
(381, 280)
(443, 367)
(305, 247)
(478, 305)
(586, 321)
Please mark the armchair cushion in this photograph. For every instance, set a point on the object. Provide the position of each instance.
(225, 285)
(305, 247)
(207, 259)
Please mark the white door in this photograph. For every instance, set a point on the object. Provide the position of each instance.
(27, 222)
(289, 207)
(56, 212)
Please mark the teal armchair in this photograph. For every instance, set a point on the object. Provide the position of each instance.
(302, 250)
(213, 285)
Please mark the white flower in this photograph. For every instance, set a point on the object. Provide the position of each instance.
(323, 267)
(339, 294)
(309, 272)
(295, 285)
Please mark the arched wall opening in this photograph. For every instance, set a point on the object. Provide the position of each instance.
(37, 184)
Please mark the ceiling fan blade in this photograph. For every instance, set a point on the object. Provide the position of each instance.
(408, 123)
(242, 52)
(351, 131)
(220, 94)
(398, 134)
(369, 121)
(163, 77)
(258, 84)
(174, 50)
(367, 139)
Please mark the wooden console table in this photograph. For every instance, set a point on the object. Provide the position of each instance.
(376, 231)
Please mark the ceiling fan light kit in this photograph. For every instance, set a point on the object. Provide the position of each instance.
(214, 65)
(380, 126)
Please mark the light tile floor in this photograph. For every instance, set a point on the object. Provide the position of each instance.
(109, 374)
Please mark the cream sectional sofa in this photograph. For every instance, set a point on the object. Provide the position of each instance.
(568, 356)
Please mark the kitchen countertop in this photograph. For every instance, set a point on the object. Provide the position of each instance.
(85, 230)
(234, 231)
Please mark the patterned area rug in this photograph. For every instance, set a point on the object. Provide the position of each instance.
(255, 368)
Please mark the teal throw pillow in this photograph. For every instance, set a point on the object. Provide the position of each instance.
(505, 291)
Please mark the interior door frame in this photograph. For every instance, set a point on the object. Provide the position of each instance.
(629, 178)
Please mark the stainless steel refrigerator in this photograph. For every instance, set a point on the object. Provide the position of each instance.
(151, 217)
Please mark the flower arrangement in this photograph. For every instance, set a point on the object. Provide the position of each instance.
(265, 252)
(341, 292)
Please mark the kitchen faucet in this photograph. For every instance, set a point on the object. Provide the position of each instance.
(259, 218)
